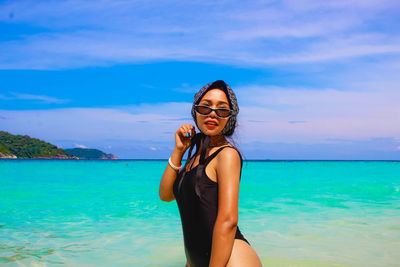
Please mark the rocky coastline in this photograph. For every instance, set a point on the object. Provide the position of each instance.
(109, 156)
(7, 156)
(59, 156)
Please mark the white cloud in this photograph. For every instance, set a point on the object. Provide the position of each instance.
(40, 98)
(333, 49)
(329, 113)
(80, 146)
(256, 33)
(273, 114)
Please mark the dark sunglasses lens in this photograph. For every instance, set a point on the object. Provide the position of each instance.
(203, 110)
(223, 112)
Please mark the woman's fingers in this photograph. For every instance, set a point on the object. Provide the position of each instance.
(183, 131)
(183, 136)
(191, 130)
(187, 130)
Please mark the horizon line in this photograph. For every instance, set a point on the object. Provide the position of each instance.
(246, 160)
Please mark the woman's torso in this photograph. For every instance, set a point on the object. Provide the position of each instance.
(197, 198)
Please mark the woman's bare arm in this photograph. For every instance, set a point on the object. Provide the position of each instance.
(228, 175)
(182, 142)
(168, 178)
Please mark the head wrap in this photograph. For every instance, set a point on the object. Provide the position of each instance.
(205, 139)
(231, 124)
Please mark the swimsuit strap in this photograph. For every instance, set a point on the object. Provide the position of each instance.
(207, 160)
(201, 167)
(213, 155)
(216, 152)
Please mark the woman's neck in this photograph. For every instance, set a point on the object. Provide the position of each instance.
(217, 140)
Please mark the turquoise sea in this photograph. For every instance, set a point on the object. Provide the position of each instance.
(107, 213)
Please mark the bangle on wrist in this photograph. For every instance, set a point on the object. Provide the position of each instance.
(173, 166)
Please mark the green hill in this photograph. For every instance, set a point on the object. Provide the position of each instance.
(89, 153)
(4, 150)
(23, 146)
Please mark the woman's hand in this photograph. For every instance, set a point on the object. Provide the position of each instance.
(183, 136)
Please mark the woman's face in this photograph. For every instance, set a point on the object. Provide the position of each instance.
(211, 124)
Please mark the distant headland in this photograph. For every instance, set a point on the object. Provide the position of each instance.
(26, 147)
(89, 153)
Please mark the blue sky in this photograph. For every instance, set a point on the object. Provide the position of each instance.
(314, 79)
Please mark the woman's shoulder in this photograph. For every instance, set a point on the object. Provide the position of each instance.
(229, 162)
(230, 154)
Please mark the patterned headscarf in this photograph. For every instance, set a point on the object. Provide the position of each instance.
(231, 124)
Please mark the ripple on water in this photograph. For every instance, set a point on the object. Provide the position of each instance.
(22, 252)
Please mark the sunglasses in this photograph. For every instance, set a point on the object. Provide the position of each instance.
(220, 112)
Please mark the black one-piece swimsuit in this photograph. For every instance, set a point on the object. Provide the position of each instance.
(197, 199)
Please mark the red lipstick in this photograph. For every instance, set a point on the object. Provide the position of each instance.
(211, 123)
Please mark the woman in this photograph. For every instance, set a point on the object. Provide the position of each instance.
(207, 187)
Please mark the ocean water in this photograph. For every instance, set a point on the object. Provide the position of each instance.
(107, 213)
